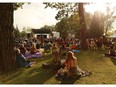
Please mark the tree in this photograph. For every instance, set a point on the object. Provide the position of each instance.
(68, 26)
(23, 33)
(108, 19)
(16, 32)
(7, 54)
(7, 57)
(52, 27)
(96, 29)
(83, 26)
(62, 27)
(65, 10)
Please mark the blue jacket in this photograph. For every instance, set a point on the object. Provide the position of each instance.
(21, 60)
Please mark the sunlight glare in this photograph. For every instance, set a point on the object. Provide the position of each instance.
(96, 7)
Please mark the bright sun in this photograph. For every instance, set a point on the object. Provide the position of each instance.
(96, 7)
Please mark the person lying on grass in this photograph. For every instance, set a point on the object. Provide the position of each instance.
(22, 61)
(70, 68)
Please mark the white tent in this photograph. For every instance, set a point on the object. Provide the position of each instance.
(113, 35)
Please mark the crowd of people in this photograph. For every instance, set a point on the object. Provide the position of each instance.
(97, 43)
(60, 47)
(107, 44)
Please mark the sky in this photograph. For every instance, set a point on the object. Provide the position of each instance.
(36, 16)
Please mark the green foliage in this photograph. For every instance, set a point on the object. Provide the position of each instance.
(102, 22)
(68, 26)
(74, 21)
(64, 9)
(96, 30)
(109, 19)
(88, 19)
(63, 27)
(23, 33)
(18, 5)
(16, 32)
(52, 27)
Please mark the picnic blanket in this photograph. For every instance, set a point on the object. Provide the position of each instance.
(75, 51)
(35, 55)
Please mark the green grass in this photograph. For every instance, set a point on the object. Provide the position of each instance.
(103, 69)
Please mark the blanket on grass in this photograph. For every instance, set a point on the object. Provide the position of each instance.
(35, 55)
(75, 51)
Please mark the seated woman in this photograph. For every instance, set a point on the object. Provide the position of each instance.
(56, 64)
(54, 49)
(70, 68)
(56, 59)
(33, 49)
(71, 65)
(63, 50)
(38, 45)
(21, 60)
(111, 52)
(22, 49)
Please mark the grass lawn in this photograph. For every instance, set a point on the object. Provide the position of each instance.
(103, 69)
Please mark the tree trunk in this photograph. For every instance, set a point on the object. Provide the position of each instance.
(7, 54)
(82, 26)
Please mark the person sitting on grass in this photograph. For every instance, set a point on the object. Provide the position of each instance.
(56, 62)
(21, 60)
(54, 49)
(63, 50)
(33, 49)
(56, 59)
(38, 45)
(70, 68)
(71, 64)
(22, 49)
(111, 51)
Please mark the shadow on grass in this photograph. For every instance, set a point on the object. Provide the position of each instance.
(113, 60)
(40, 77)
(30, 75)
(70, 80)
(33, 76)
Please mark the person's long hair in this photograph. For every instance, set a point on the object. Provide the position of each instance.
(33, 46)
(69, 56)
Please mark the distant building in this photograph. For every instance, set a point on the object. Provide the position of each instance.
(45, 33)
(113, 35)
(56, 34)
